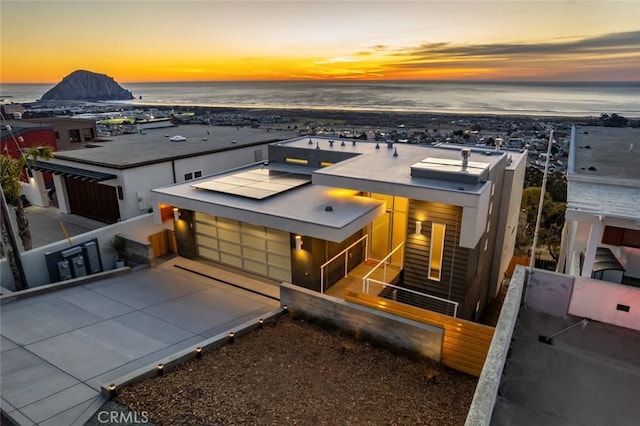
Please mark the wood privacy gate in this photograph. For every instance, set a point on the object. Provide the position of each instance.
(465, 344)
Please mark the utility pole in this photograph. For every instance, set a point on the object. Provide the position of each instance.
(12, 252)
(532, 262)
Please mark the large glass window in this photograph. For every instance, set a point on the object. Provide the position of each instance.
(436, 251)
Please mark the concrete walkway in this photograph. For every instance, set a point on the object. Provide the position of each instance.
(58, 349)
(45, 225)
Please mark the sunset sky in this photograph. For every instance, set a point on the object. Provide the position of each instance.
(136, 41)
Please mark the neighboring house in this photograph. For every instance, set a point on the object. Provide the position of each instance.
(601, 237)
(582, 325)
(70, 133)
(449, 212)
(111, 180)
(12, 111)
(18, 135)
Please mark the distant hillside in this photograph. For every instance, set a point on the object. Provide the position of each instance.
(84, 85)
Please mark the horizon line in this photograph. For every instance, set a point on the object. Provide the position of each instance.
(514, 81)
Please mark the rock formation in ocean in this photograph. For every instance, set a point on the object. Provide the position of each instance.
(84, 85)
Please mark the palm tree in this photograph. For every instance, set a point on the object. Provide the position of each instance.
(10, 173)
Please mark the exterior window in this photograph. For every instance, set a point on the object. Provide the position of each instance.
(88, 134)
(57, 135)
(193, 175)
(436, 251)
(74, 135)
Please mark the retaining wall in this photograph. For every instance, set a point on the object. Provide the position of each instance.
(360, 320)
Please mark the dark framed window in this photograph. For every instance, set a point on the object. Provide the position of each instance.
(74, 136)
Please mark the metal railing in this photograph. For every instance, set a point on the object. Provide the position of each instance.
(383, 263)
(411, 297)
(405, 295)
(344, 252)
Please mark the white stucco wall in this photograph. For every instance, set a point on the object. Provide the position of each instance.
(139, 181)
(507, 227)
(219, 161)
(474, 219)
(35, 266)
(598, 300)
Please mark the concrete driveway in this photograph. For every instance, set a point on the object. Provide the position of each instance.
(58, 349)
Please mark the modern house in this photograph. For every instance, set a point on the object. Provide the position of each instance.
(70, 133)
(440, 221)
(111, 180)
(601, 237)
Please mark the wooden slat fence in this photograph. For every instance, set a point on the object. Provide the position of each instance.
(465, 345)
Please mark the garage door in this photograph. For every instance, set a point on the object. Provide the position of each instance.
(256, 249)
(92, 200)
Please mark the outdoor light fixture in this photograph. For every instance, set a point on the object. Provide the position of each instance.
(298, 242)
(285, 309)
(232, 337)
(261, 323)
(176, 214)
(199, 352)
(160, 369)
(112, 390)
(418, 227)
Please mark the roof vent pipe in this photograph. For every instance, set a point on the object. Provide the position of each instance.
(498, 143)
(465, 153)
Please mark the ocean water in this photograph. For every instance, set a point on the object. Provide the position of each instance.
(503, 98)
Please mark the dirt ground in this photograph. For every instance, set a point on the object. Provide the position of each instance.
(294, 372)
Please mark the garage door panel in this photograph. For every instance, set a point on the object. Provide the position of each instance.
(224, 223)
(254, 242)
(251, 229)
(230, 248)
(230, 259)
(278, 247)
(208, 253)
(205, 219)
(205, 229)
(275, 235)
(230, 236)
(206, 240)
(256, 267)
(257, 255)
(279, 261)
(280, 274)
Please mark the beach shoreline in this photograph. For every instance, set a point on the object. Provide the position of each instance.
(348, 116)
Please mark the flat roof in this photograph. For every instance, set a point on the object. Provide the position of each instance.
(154, 145)
(588, 375)
(380, 170)
(304, 210)
(604, 178)
(607, 152)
